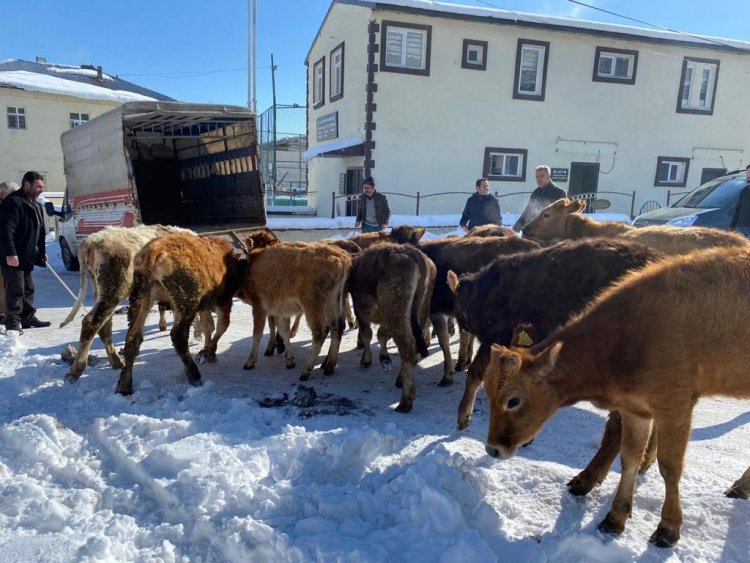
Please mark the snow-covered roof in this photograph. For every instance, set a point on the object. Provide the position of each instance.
(563, 23)
(77, 81)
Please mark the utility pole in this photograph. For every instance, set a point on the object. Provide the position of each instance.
(273, 116)
(251, 43)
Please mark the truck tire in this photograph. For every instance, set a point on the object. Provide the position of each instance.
(69, 259)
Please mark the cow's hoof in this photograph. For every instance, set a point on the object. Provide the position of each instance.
(125, 391)
(249, 365)
(365, 363)
(195, 382)
(463, 422)
(305, 376)
(664, 537)
(385, 364)
(201, 357)
(735, 491)
(580, 486)
(460, 366)
(290, 364)
(71, 377)
(610, 526)
(445, 382)
(404, 407)
(328, 369)
(269, 352)
(162, 327)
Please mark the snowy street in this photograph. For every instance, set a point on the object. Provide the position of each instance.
(176, 473)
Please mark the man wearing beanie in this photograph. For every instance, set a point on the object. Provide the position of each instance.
(373, 213)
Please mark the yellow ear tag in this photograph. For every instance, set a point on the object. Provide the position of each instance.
(524, 339)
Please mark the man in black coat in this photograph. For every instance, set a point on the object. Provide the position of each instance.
(741, 219)
(482, 208)
(373, 213)
(547, 192)
(23, 247)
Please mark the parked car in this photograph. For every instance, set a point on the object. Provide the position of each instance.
(709, 205)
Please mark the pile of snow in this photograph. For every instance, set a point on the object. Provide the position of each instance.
(91, 73)
(176, 473)
(35, 82)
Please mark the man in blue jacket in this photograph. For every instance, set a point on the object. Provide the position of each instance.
(482, 208)
(22, 241)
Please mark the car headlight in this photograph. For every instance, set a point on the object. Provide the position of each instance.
(686, 221)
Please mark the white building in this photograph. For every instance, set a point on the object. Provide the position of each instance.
(427, 97)
(40, 101)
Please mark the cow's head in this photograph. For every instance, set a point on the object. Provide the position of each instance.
(552, 221)
(521, 397)
(260, 239)
(404, 234)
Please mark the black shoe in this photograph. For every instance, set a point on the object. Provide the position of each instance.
(13, 324)
(33, 322)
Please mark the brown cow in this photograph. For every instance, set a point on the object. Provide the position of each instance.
(562, 220)
(106, 257)
(649, 346)
(391, 285)
(284, 280)
(403, 234)
(491, 231)
(194, 274)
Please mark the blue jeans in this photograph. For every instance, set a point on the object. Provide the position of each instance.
(370, 228)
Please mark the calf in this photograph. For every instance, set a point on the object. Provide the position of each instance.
(391, 285)
(461, 255)
(194, 274)
(106, 257)
(545, 288)
(284, 280)
(615, 355)
(562, 220)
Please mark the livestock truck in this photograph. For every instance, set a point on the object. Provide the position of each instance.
(190, 165)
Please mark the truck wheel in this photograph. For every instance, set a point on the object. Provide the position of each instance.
(70, 261)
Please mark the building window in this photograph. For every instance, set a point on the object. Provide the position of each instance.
(615, 65)
(337, 73)
(77, 119)
(16, 118)
(405, 48)
(531, 70)
(698, 86)
(474, 54)
(505, 164)
(671, 171)
(319, 83)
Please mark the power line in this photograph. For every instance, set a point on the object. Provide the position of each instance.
(190, 75)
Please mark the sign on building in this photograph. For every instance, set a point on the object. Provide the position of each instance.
(327, 126)
(560, 174)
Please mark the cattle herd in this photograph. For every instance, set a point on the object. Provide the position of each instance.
(641, 322)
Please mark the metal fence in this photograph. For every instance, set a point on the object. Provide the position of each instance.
(514, 202)
(293, 202)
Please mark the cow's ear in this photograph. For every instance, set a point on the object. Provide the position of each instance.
(576, 206)
(547, 359)
(453, 281)
(503, 362)
(420, 233)
(523, 335)
(249, 243)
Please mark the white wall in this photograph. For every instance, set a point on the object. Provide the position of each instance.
(38, 146)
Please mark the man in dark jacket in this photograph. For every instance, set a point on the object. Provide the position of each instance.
(547, 192)
(482, 208)
(373, 214)
(741, 219)
(23, 247)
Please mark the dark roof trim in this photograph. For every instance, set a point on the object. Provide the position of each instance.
(499, 20)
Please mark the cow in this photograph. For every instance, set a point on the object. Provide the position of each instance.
(106, 258)
(284, 280)
(194, 274)
(467, 254)
(562, 220)
(649, 346)
(543, 288)
(491, 231)
(391, 285)
(402, 234)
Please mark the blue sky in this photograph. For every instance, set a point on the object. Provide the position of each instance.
(195, 50)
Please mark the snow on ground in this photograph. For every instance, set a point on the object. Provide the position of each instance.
(175, 473)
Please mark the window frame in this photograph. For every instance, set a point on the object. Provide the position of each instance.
(607, 51)
(19, 114)
(333, 96)
(77, 121)
(489, 152)
(468, 44)
(543, 74)
(681, 88)
(319, 102)
(661, 160)
(426, 52)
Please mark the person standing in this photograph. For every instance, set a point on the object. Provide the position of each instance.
(5, 189)
(741, 219)
(22, 241)
(373, 214)
(482, 208)
(546, 192)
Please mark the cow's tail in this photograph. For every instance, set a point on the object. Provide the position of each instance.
(416, 303)
(83, 266)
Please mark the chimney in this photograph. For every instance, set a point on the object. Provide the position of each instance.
(42, 60)
(99, 73)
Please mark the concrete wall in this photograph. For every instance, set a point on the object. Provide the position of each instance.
(432, 130)
(38, 146)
